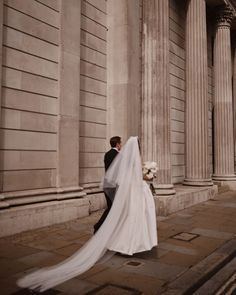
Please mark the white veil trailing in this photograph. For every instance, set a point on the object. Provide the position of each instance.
(130, 226)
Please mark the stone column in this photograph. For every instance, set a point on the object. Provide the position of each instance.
(223, 104)
(68, 133)
(2, 204)
(1, 37)
(123, 60)
(196, 118)
(155, 138)
(234, 95)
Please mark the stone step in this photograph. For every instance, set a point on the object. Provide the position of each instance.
(223, 189)
(202, 276)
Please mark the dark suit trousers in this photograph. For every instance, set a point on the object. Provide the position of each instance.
(104, 215)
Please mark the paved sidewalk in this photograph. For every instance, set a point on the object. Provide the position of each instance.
(194, 245)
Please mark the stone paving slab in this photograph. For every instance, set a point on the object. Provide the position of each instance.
(205, 244)
(9, 267)
(170, 269)
(178, 249)
(75, 287)
(41, 259)
(14, 251)
(148, 285)
(212, 233)
(8, 285)
(47, 244)
(179, 259)
(68, 250)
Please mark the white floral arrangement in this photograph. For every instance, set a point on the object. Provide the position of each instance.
(150, 170)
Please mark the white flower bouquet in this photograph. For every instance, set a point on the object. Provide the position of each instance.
(149, 170)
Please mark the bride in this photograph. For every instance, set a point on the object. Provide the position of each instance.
(129, 228)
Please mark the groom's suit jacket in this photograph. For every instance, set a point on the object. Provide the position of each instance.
(109, 157)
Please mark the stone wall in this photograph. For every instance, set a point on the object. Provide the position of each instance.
(93, 95)
(177, 88)
(29, 94)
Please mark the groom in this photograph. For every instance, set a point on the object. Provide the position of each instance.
(115, 143)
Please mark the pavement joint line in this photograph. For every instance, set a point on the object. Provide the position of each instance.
(203, 277)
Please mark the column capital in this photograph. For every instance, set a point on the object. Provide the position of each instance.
(224, 16)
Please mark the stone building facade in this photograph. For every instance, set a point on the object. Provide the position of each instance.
(76, 72)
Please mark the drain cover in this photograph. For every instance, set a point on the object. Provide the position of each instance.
(133, 263)
(185, 236)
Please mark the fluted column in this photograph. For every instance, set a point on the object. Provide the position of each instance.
(197, 162)
(155, 97)
(234, 95)
(123, 66)
(1, 36)
(223, 104)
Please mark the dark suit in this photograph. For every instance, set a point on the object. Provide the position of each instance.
(108, 158)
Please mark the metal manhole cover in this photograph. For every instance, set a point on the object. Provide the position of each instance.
(187, 237)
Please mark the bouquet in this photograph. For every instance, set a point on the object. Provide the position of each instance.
(149, 170)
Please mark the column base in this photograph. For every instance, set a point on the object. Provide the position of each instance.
(231, 177)
(228, 181)
(198, 182)
(164, 189)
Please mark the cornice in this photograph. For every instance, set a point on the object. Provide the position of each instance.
(232, 4)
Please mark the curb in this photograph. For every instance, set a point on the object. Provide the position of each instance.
(195, 277)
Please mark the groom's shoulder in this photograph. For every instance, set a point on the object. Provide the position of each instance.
(111, 152)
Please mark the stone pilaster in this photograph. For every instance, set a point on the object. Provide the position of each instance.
(123, 70)
(69, 85)
(223, 103)
(156, 144)
(197, 162)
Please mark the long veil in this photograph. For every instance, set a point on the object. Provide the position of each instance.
(128, 228)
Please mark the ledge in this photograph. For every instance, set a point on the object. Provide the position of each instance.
(186, 196)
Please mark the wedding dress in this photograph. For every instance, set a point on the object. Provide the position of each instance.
(129, 228)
